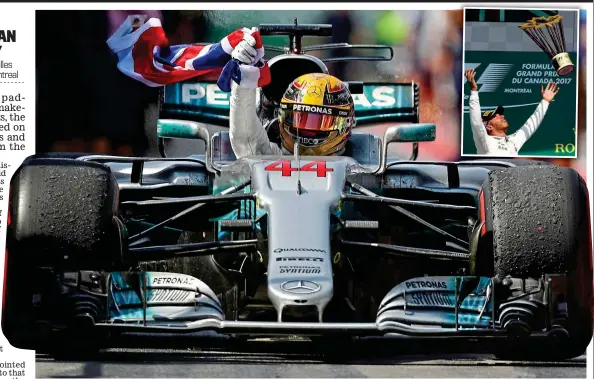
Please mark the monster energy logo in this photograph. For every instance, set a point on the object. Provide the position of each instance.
(492, 77)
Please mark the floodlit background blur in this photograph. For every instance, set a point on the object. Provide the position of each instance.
(84, 104)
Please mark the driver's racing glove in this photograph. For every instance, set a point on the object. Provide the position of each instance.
(245, 52)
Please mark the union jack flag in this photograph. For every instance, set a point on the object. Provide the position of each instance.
(144, 54)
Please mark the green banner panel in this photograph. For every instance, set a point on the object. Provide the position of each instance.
(505, 15)
(514, 80)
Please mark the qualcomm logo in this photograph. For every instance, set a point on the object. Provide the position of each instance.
(492, 77)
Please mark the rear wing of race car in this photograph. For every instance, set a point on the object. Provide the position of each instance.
(203, 101)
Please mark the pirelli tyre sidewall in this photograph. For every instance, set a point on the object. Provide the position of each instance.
(536, 221)
(62, 216)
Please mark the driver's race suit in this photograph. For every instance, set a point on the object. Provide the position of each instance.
(502, 146)
(246, 131)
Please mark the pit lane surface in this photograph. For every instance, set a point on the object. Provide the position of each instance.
(302, 358)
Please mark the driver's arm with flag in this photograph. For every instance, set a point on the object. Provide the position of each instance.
(246, 131)
(144, 54)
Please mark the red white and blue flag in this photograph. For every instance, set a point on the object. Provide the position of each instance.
(144, 54)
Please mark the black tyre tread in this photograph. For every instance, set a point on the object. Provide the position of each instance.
(537, 222)
(533, 212)
(56, 155)
(517, 162)
(526, 162)
(58, 207)
(64, 206)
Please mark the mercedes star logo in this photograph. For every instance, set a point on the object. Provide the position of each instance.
(300, 287)
(315, 90)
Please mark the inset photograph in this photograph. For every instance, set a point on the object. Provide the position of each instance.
(520, 83)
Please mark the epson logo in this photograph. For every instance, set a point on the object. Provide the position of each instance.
(311, 108)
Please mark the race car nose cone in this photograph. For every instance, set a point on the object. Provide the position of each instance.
(299, 260)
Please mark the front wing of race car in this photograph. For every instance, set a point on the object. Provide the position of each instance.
(462, 306)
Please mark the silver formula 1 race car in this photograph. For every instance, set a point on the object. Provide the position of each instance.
(357, 245)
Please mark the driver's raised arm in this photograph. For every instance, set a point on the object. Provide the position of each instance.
(479, 133)
(247, 134)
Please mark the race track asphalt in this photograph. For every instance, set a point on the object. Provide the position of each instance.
(282, 358)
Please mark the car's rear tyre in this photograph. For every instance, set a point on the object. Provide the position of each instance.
(535, 221)
(62, 216)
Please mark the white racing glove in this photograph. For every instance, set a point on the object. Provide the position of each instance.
(245, 52)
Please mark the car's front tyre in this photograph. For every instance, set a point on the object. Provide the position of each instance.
(535, 222)
(62, 217)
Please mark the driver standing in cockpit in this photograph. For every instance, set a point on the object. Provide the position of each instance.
(317, 110)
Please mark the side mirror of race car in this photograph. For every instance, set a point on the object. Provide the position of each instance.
(410, 133)
(405, 133)
(182, 129)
